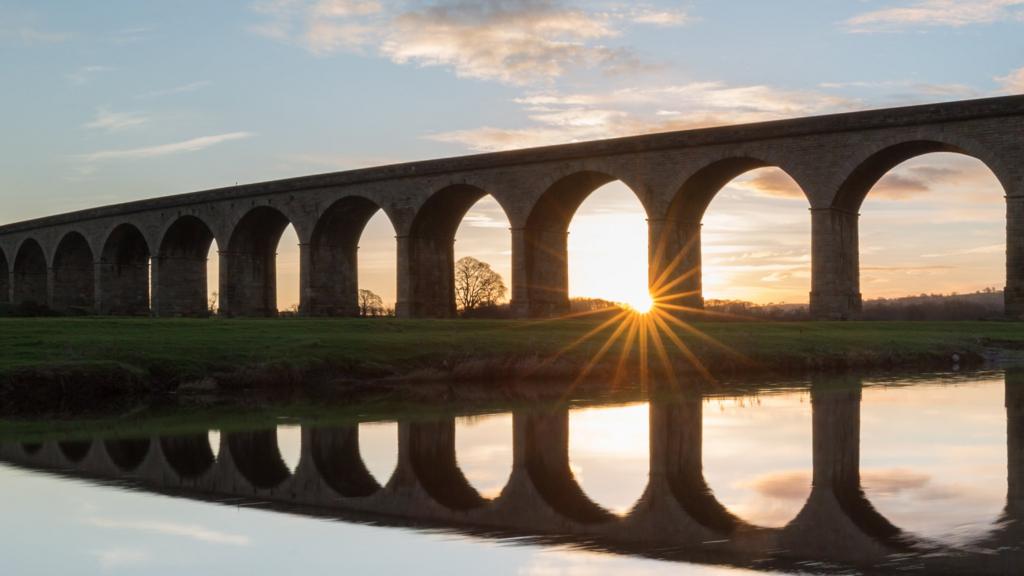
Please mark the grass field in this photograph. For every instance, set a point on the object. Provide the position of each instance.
(184, 349)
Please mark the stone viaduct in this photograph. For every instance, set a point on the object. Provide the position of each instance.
(150, 256)
(677, 511)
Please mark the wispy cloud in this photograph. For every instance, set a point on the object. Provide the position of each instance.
(132, 35)
(28, 34)
(193, 145)
(114, 558)
(115, 121)
(180, 89)
(515, 41)
(933, 13)
(1012, 82)
(84, 74)
(987, 249)
(192, 531)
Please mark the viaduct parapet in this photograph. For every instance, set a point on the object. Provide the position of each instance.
(149, 257)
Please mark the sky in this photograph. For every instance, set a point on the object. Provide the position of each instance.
(121, 100)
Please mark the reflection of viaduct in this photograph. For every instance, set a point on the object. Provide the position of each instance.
(677, 511)
(100, 259)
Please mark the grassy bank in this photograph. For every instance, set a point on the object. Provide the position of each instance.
(178, 350)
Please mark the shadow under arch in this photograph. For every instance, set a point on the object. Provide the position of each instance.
(5, 278)
(545, 279)
(30, 275)
(333, 288)
(74, 274)
(31, 448)
(127, 453)
(543, 438)
(249, 285)
(179, 269)
(676, 261)
(429, 256)
(431, 453)
(257, 457)
(337, 459)
(856, 187)
(124, 272)
(75, 450)
(190, 456)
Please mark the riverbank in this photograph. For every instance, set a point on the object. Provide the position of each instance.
(83, 361)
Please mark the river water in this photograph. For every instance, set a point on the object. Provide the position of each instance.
(827, 475)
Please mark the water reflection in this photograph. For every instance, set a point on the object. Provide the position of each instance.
(834, 473)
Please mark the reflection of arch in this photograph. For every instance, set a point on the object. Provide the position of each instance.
(677, 453)
(336, 457)
(250, 283)
(545, 241)
(545, 441)
(430, 252)
(179, 269)
(676, 274)
(124, 272)
(333, 258)
(257, 457)
(75, 450)
(871, 169)
(5, 278)
(189, 455)
(127, 454)
(432, 455)
(29, 274)
(74, 271)
(31, 448)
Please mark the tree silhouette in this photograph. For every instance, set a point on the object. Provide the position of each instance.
(370, 304)
(476, 284)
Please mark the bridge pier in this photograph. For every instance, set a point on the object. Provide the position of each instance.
(545, 261)
(1015, 443)
(1014, 292)
(674, 264)
(179, 285)
(248, 282)
(6, 285)
(835, 265)
(426, 277)
(122, 275)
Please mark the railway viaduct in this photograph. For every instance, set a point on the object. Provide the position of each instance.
(149, 256)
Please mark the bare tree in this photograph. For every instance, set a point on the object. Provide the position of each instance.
(370, 304)
(476, 284)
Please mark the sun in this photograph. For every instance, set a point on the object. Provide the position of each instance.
(641, 303)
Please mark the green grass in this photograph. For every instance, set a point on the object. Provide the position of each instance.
(186, 349)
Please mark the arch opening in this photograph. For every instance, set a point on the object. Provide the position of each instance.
(560, 227)
(429, 290)
(127, 453)
(249, 287)
(30, 276)
(378, 448)
(189, 455)
(180, 269)
(483, 261)
(335, 283)
(74, 271)
(75, 450)
(124, 273)
(609, 455)
(483, 451)
(926, 244)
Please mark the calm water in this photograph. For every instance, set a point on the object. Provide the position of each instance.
(830, 476)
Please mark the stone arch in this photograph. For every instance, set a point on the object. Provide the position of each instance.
(257, 458)
(127, 453)
(190, 455)
(870, 168)
(428, 263)
(541, 287)
(249, 263)
(179, 269)
(124, 272)
(75, 450)
(333, 285)
(74, 275)
(30, 274)
(337, 459)
(433, 460)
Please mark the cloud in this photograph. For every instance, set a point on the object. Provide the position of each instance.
(113, 558)
(514, 42)
(191, 531)
(193, 145)
(115, 121)
(560, 118)
(181, 89)
(933, 13)
(773, 183)
(987, 249)
(30, 35)
(1012, 82)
